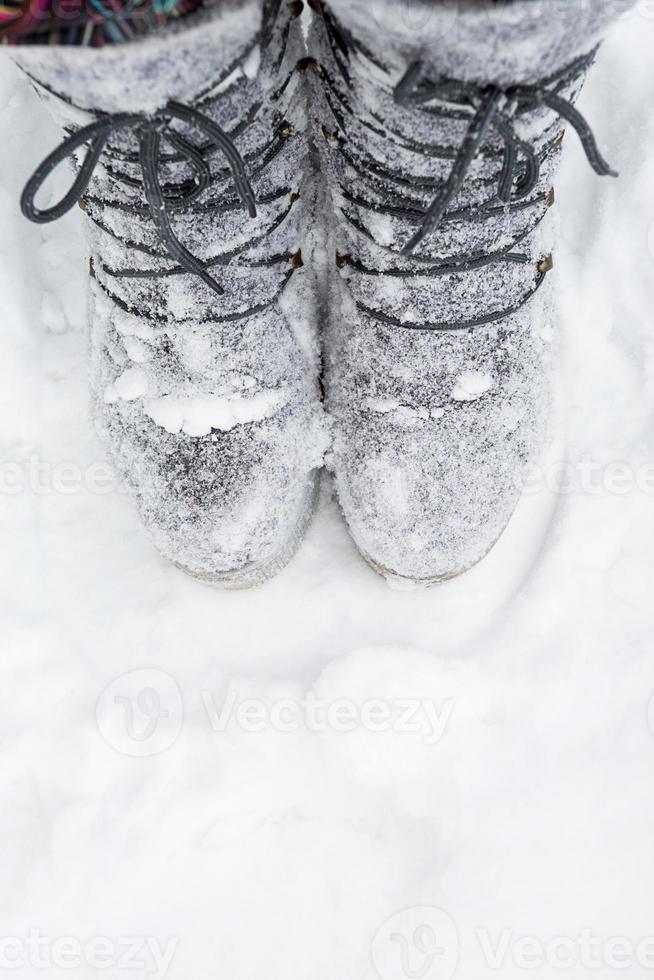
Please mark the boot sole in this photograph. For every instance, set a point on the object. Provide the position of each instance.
(422, 583)
(250, 576)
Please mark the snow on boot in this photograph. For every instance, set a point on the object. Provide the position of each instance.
(441, 130)
(190, 152)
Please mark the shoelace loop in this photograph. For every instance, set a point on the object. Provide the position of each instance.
(150, 131)
(496, 108)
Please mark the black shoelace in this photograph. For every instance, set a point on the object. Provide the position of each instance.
(497, 108)
(151, 133)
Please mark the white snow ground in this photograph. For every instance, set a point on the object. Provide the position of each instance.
(198, 833)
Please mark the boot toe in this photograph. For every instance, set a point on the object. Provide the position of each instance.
(428, 502)
(230, 507)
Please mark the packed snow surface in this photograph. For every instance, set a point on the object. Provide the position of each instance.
(326, 779)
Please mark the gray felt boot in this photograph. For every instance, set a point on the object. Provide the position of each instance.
(441, 126)
(190, 153)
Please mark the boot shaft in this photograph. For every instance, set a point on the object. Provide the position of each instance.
(181, 61)
(168, 98)
(428, 167)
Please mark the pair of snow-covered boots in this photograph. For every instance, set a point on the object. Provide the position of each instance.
(414, 144)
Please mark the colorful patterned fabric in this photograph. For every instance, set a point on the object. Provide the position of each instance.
(90, 23)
